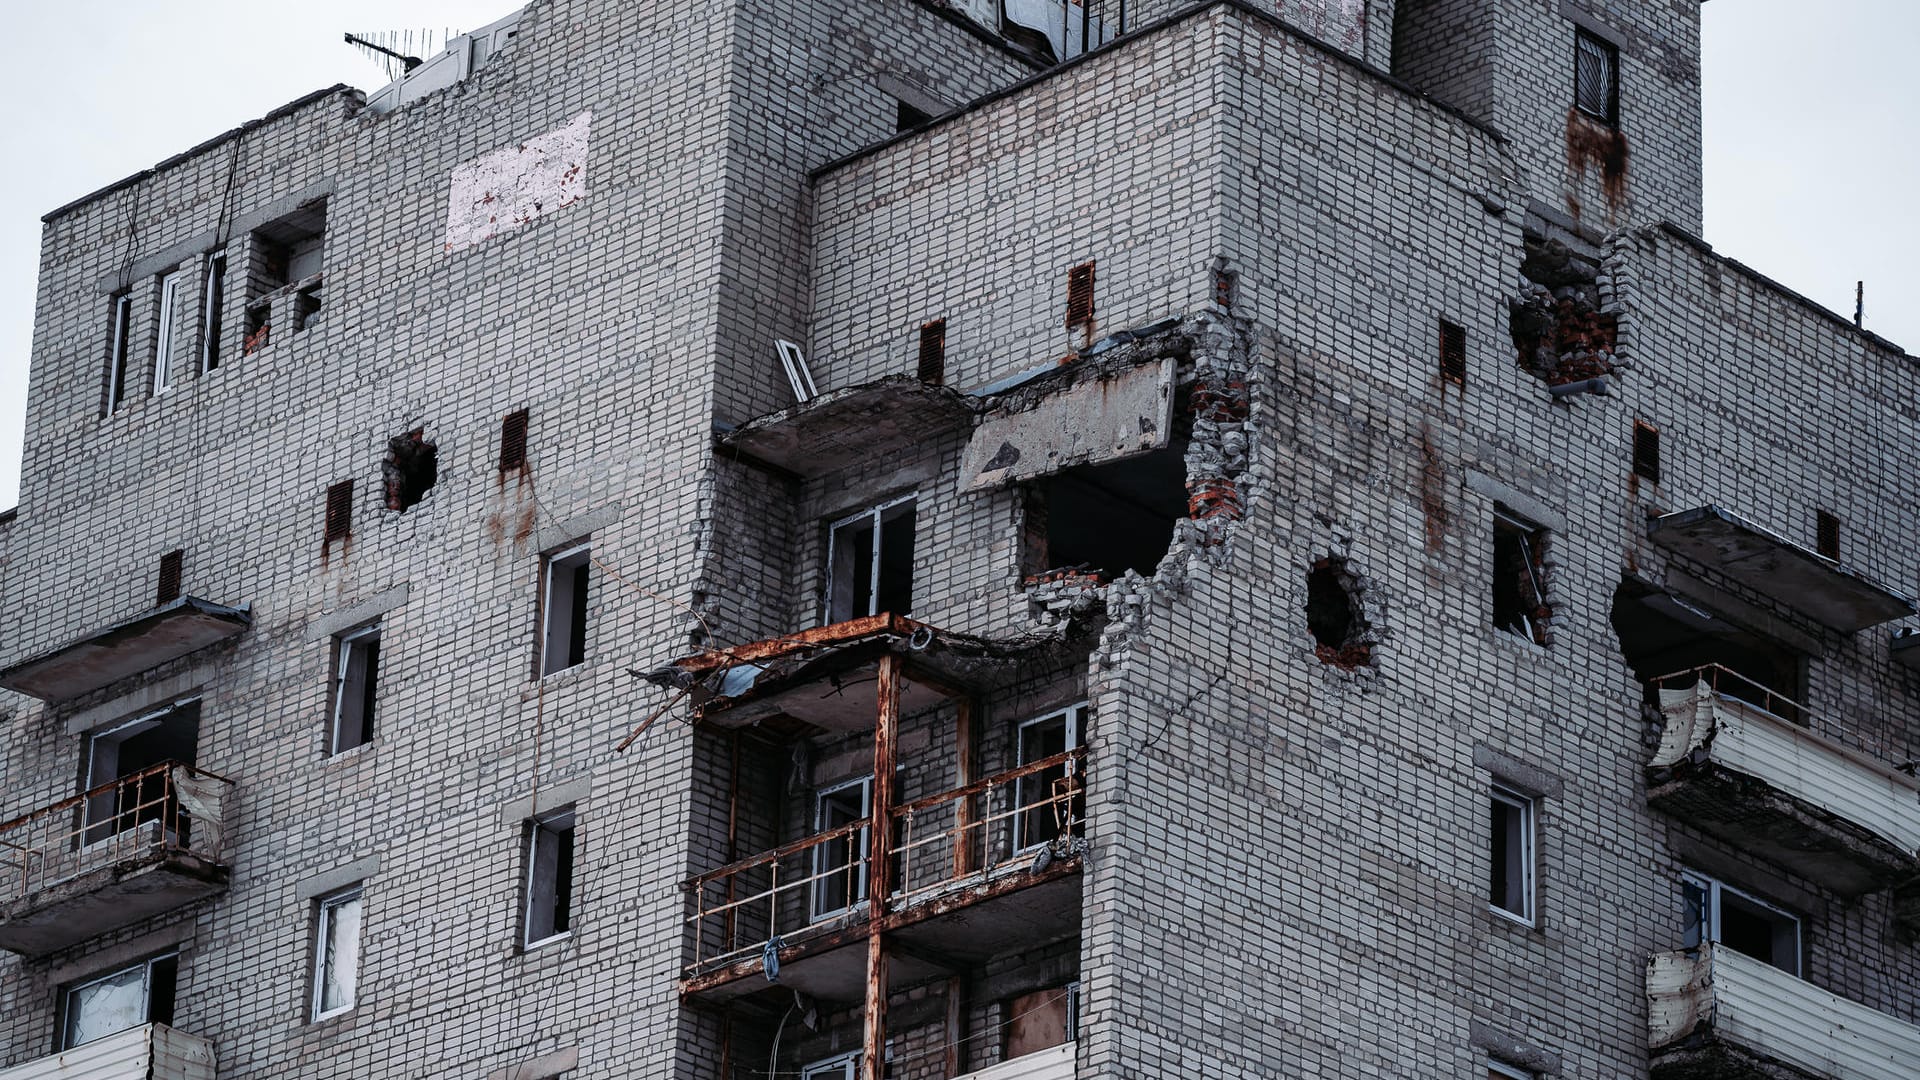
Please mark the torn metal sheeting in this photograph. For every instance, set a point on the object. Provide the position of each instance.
(1828, 592)
(1106, 415)
(859, 423)
(142, 643)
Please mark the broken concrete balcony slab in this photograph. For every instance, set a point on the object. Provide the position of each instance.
(1085, 414)
(1755, 779)
(112, 653)
(858, 423)
(1716, 1014)
(143, 845)
(147, 1052)
(1830, 593)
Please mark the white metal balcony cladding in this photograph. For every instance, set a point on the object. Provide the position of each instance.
(1747, 739)
(1054, 1063)
(1752, 1006)
(148, 1052)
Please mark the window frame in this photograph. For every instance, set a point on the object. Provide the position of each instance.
(1074, 717)
(1610, 55)
(1707, 928)
(324, 921)
(347, 646)
(1512, 1072)
(857, 893)
(63, 1033)
(1528, 808)
(118, 348)
(577, 558)
(168, 315)
(877, 516)
(212, 301)
(838, 1067)
(1532, 538)
(101, 817)
(534, 889)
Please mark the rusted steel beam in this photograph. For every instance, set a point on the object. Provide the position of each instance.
(999, 779)
(873, 1058)
(886, 734)
(838, 633)
(963, 755)
(956, 1023)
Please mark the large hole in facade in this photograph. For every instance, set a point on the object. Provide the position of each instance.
(1335, 617)
(410, 470)
(1103, 520)
(1665, 638)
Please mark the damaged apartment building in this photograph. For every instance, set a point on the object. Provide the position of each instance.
(1007, 539)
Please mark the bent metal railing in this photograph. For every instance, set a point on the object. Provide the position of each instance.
(168, 808)
(983, 830)
(1729, 683)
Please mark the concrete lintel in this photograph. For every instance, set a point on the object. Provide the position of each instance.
(365, 611)
(551, 797)
(1528, 779)
(578, 527)
(151, 696)
(544, 1067)
(115, 957)
(911, 93)
(318, 885)
(1527, 506)
(1512, 1050)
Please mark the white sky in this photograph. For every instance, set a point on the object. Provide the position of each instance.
(1810, 131)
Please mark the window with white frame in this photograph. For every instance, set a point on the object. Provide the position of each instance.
(108, 1004)
(548, 911)
(842, 1067)
(1048, 803)
(870, 562)
(1719, 913)
(336, 952)
(167, 333)
(840, 864)
(1510, 885)
(563, 608)
(356, 669)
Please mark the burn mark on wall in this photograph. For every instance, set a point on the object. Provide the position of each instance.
(503, 190)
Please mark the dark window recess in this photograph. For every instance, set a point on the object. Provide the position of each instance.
(1453, 353)
(1646, 451)
(1334, 616)
(210, 320)
(1519, 601)
(870, 563)
(513, 440)
(1080, 296)
(1827, 526)
(906, 118)
(549, 897)
(120, 321)
(356, 673)
(1596, 78)
(168, 589)
(1661, 634)
(340, 510)
(410, 470)
(131, 747)
(1103, 520)
(933, 352)
(563, 610)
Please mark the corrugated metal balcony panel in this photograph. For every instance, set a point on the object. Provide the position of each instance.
(148, 1052)
(1827, 591)
(1826, 811)
(1054, 1063)
(1714, 1005)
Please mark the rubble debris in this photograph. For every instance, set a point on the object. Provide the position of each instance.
(1560, 327)
(410, 470)
(1065, 595)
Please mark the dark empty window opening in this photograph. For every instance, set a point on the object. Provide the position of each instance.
(1519, 597)
(1453, 353)
(548, 914)
(339, 511)
(1103, 520)
(513, 440)
(1080, 297)
(410, 470)
(1723, 915)
(1334, 615)
(1646, 451)
(131, 748)
(870, 562)
(120, 325)
(356, 672)
(215, 297)
(285, 254)
(168, 587)
(1665, 637)
(1596, 78)
(1827, 538)
(933, 352)
(906, 117)
(563, 609)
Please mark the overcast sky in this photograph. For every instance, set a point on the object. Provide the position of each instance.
(1811, 148)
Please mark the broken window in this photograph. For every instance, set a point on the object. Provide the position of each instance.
(1596, 78)
(870, 562)
(1048, 801)
(1646, 451)
(109, 1004)
(1519, 599)
(165, 337)
(339, 524)
(1510, 887)
(1453, 353)
(120, 325)
(1665, 637)
(933, 352)
(1827, 535)
(1103, 520)
(563, 609)
(285, 254)
(356, 670)
(840, 864)
(1724, 915)
(336, 952)
(167, 589)
(215, 295)
(119, 753)
(513, 440)
(547, 915)
(411, 467)
(841, 1067)
(1334, 617)
(1042, 1019)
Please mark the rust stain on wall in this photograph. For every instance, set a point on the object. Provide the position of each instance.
(1592, 145)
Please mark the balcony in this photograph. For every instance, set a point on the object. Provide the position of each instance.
(148, 843)
(1715, 1014)
(148, 1052)
(1829, 592)
(1734, 765)
(112, 653)
(1053, 1064)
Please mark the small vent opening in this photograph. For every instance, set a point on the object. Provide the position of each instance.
(340, 510)
(168, 588)
(513, 441)
(933, 352)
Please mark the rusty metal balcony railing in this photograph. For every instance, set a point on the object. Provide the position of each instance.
(990, 827)
(169, 808)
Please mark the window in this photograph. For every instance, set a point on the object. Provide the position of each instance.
(548, 914)
(356, 671)
(840, 864)
(1596, 78)
(844, 1067)
(1519, 600)
(1724, 915)
(1453, 353)
(1826, 527)
(1510, 885)
(120, 325)
(1646, 451)
(1080, 297)
(870, 562)
(1042, 1019)
(128, 998)
(164, 338)
(285, 254)
(933, 352)
(135, 748)
(216, 299)
(339, 524)
(1049, 801)
(563, 610)
(336, 953)
(1497, 1071)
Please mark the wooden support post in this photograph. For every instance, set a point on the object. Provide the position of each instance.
(886, 732)
(956, 1023)
(963, 838)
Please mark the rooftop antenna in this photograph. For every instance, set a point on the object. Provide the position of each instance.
(1860, 305)
(393, 46)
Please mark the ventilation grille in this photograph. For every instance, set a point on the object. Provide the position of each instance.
(1453, 353)
(1646, 451)
(340, 510)
(513, 440)
(168, 589)
(1828, 527)
(933, 352)
(1080, 296)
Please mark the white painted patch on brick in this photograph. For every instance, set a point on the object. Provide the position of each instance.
(1341, 23)
(503, 190)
